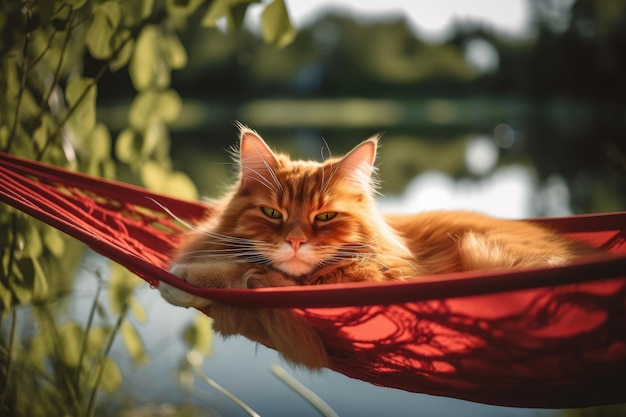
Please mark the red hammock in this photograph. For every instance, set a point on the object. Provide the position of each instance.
(550, 338)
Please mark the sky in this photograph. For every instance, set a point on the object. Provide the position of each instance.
(431, 19)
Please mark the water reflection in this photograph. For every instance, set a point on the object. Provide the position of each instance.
(510, 191)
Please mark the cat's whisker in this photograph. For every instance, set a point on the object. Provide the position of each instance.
(224, 248)
(218, 236)
(232, 239)
(323, 159)
(349, 256)
(261, 179)
(379, 263)
(351, 245)
(353, 250)
(211, 256)
(330, 154)
(239, 257)
(333, 171)
(174, 216)
(274, 177)
(234, 252)
(229, 247)
(338, 259)
(254, 259)
(269, 169)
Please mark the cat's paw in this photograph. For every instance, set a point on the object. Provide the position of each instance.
(179, 297)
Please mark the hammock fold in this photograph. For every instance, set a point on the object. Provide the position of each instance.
(544, 337)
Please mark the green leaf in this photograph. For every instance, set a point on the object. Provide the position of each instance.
(4, 135)
(33, 245)
(31, 280)
(182, 8)
(127, 146)
(133, 343)
(217, 10)
(40, 284)
(22, 294)
(141, 109)
(100, 142)
(163, 105)
(155, 134)
(169, 105)
(29, 108)
(135, 11)
(81, 94)
(153, 175)
(96, 340)
(126, 53)
(22, 286)
(54, 241)
(37, 351)
(138, 310)
(121, 286)
(160, 178)
(111, 376)
(237, 15)
(198, 334)
(99, 36)
(70, 336)
(40, 136)
(233, 11)
(146, 62)
(179, 185)
(76, 4)
(276, 26)
(108, 169)
(174, 51)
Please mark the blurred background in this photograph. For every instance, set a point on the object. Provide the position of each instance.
(515, 108)
(517, 104)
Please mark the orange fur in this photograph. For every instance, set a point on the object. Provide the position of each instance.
(303, 223)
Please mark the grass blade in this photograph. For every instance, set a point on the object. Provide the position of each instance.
(227, 394)
(320, 405)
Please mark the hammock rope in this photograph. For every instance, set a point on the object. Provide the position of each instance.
(546, 337)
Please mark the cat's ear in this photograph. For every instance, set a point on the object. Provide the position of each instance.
(258, 162)
(358, 164)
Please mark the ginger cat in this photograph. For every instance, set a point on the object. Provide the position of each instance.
(304, 223)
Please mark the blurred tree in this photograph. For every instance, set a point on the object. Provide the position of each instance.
(575, 80)
(333, 56)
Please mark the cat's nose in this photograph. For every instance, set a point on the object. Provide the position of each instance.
(296, 242)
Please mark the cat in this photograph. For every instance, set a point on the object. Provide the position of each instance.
(292, 222)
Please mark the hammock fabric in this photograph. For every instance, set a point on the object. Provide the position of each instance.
(550, 338)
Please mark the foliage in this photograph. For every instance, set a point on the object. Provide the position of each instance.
(51, 363)
(618, 410)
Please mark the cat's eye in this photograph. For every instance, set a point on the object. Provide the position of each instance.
(272, 213)
(326, 216)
